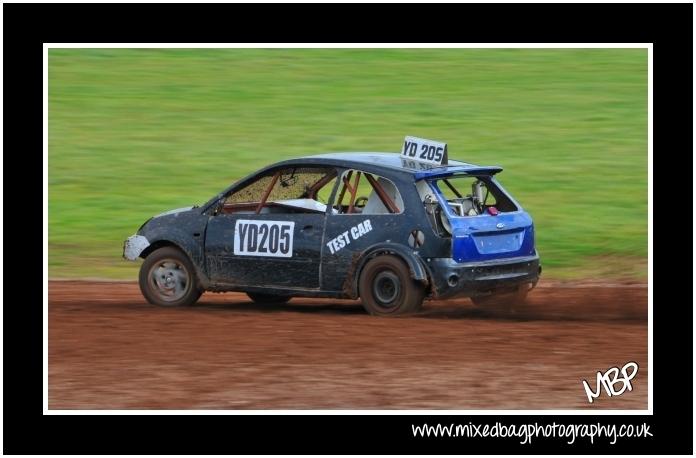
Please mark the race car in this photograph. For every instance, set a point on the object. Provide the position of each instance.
(389, 228)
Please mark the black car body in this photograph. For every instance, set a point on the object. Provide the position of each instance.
(310, 226)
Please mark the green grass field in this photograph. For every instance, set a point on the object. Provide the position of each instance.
(135, 132)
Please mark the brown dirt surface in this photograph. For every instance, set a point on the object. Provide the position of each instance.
(109, 349)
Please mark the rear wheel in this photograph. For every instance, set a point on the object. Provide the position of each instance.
(261, 298)
(387, 289)
(168, 278)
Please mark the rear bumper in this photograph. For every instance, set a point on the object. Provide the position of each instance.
(450, 278)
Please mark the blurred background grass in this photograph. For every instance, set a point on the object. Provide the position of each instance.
(135, 132)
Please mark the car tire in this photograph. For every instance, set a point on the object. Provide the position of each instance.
(387, 289)
(261, 298)
(503, 301)
(168, 278)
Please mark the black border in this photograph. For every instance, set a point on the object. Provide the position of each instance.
(27, 26)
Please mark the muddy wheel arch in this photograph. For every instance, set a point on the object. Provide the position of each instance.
(417, 269)
(166, 242)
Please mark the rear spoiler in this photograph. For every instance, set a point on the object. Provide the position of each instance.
(444, 172)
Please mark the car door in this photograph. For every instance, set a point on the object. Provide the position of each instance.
(351, 228)
(269, 232)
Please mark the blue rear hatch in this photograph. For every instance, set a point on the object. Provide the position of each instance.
(487, 237)
(486, 223)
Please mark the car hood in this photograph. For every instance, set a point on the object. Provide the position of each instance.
(163, 217)
(175, 211)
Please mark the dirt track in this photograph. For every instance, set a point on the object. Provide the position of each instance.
(108, 349)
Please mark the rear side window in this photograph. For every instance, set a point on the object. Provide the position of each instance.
(471, 196)
(367, 194)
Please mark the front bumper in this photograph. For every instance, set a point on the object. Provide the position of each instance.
(133, 246)
(450, 278)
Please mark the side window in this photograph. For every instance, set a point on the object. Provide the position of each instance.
(368, 194)
(291, 190)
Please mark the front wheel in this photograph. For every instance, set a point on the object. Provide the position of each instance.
(167, 278)
(387, 289)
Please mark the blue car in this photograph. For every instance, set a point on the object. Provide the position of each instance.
(391, 229)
